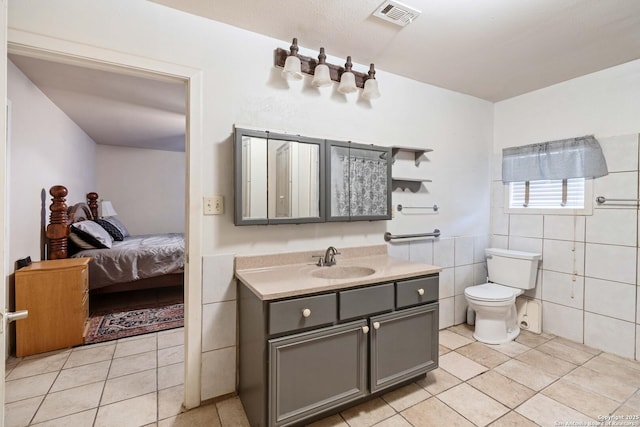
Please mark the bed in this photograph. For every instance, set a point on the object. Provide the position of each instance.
(121, 262)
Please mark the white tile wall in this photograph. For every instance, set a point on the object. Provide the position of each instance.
(463, 278)
(499, 222)
(613, 227)
(525, 225)
(447, 283)
(218, 325)
(446, 312)
(479, 273)
(611, 262)
(564, 227)
(444, 252)
(616, 185)
(501, 242)
(620, 152)
(463, 250)
(399, 250)
(421, 251)
(561, 288)
(563, 256)
(611, 299)
(218, 372)
(562, 321)
(217, 277)
(613, 335)
(460, 309)
(480, 243)
(525, 244)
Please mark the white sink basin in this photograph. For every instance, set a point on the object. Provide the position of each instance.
(340, 272)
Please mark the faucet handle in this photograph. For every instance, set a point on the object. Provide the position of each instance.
(320, 262)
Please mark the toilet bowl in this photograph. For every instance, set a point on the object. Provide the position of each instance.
(494, 303)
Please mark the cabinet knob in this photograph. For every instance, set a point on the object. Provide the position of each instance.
(420, 291)
(306, 312)
(365, 329)
(376, 325)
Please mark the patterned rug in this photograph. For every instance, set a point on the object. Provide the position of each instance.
(121, 324)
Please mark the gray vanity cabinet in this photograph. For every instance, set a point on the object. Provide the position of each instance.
(315, 371)
(402, 345)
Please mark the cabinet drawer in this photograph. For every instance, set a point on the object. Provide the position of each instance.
(290, 315)
(365, 301)
(416, 291)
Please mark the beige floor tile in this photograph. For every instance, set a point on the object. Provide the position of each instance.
(443, 350)
(634, 364)
(634, 402)
(170, 402)
(452, 340)
(438, 381)
(464, 330)
(395, 421)
(36, 366)
(546, 362)
(89, 354)
(472, 404)
(69, 402)
(628, 410)
(600, 383)
(404, 397)
(513, 419)
(171, 338)
(142, 345)
(232, 413)
(128, 386)
(132, 364)
(502, 389)
(81, 375)
(368, 413)
(483, 354)
(547, 412)
(533, 340)
(460, 366)
(81, 419)
(526, 375)
(332, 421)
(28, 387)
(202, 416)
(585, 401)
(561, 350)
(577, 345)
(432, 412)
(170, 355)
(20, 413)
(623, 372)
(134, 412)
(511, 348)
(170, 375)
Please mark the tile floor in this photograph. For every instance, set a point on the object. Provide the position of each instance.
(536, 380)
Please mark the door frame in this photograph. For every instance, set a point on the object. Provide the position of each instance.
(43, 47)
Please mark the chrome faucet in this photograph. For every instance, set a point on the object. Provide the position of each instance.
(330, 256)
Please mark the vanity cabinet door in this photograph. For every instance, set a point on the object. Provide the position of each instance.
(403, 344)
(315, 371)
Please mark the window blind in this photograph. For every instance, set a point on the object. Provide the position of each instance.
(547, 194)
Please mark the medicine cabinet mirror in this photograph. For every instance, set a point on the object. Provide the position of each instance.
(278, 178)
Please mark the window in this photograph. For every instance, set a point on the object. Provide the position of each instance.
(568, 196)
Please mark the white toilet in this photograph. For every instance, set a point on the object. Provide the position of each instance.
(494, 303)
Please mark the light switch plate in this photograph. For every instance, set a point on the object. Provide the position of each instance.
(214, 205)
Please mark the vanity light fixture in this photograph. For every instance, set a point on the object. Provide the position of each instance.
(292, 69)
(348, 79)
(288, 60)
(371, 85)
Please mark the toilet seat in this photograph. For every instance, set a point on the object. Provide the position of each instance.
(490, 292)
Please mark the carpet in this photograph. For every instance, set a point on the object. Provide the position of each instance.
(130, 322)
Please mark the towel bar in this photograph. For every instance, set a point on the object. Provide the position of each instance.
(388, 236)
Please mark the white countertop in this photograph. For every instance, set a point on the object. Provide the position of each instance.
(287, 280)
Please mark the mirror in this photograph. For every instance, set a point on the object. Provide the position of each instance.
(278, 178)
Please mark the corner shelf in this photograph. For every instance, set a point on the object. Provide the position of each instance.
(413, 184)
(417, 153)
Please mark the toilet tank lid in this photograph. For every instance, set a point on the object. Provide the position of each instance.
(512, 254)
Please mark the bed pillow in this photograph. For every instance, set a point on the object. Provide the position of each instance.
(90, 235)
(113, 231)
(117, 223)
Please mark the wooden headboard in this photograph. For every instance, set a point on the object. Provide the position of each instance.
(61, 217)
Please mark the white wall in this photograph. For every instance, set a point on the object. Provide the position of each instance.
(146, 187)
(601, 307)
(46, 149)
(241, 86)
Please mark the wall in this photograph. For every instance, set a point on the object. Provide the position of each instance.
(46, 148)
(598, 305)
(149, 199)
(242, 87)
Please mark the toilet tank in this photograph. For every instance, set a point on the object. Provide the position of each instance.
(512, 268)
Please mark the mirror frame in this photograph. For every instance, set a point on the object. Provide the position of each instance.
(239, 133)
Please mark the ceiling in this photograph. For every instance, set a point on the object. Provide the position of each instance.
(491, 49)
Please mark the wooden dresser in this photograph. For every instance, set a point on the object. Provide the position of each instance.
(56, 293)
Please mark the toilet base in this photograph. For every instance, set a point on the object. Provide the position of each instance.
(509, 337)
(494, 326)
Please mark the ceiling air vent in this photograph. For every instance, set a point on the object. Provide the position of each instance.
(396, 12)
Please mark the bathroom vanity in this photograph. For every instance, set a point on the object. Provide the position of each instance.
(314, 340)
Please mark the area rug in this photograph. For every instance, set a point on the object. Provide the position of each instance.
(121, 324)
